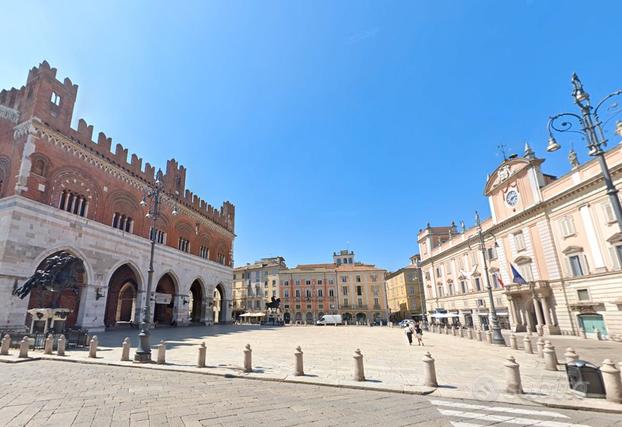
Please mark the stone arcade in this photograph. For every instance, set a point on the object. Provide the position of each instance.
(60, 191)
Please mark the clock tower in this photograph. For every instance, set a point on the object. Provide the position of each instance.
(515, 185)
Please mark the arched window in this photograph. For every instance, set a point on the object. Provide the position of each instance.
(123, 222)
(74, 203)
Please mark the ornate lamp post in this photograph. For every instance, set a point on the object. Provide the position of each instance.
(591, 128)
(151, 197)
(497, 337)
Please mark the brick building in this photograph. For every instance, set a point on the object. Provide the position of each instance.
(61, 191)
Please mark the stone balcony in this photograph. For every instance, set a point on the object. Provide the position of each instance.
(541, 287)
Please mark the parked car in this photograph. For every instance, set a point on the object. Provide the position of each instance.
(330, 319)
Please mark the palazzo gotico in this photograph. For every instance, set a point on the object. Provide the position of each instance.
(63, 192)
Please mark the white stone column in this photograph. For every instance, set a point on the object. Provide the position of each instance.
(536, 307)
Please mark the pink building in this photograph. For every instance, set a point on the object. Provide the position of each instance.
(560, 234)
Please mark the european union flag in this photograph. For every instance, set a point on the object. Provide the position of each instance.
(517, 277)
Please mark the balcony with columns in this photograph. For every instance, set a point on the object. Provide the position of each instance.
(532, 308)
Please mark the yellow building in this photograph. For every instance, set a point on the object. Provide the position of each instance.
(255, 284)
(405, 293)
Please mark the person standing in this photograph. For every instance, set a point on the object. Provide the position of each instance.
(419, 334)
(409, 334)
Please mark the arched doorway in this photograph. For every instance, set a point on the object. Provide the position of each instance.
(298, 318)
(347, 317)
(163, 313)
(360, 317)
(309, 318)
(219, 308)
(121, 301)
(287, 317)
(195, 303)
(55, 284)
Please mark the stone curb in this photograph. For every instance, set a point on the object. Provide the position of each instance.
(154, 366)
(19, 360)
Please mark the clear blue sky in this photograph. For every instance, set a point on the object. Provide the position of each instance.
(329, 124)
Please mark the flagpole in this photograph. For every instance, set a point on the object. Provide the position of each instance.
(497, 337)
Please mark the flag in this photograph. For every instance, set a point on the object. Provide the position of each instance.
(517, 277)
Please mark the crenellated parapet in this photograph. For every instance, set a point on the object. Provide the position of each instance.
(51, 102)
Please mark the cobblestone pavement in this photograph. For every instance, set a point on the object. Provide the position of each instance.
(55, 393)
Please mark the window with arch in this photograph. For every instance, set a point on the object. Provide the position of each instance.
(74, 203)
(204, 252)
(39, 166)
(122, 222)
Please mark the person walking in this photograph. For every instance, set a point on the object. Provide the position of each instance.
(409, 334)
(419, 334)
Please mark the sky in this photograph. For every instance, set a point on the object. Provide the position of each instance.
(329, 124)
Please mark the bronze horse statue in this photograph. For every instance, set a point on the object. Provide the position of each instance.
(275, 303)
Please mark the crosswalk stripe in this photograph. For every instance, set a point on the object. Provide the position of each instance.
(503, 409)
(505, 419)
(461, 424)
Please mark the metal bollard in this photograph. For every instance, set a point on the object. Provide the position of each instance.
(429, 372)
(49, 344)
(299, 369)
(6, 345)
(582, 333)
(612, 380)
(23, 347)
(550, 358)
(125, 351)
(489, 336)
(359, 371)
(540, 346)
(93, 347)
(512, 376)
(202, 355)
(570, 355)
(60, 346)
(161, 353)
(248, 358)
(470, 333)
(527, 344)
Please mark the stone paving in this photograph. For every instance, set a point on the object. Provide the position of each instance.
(53, 393)
(465, 368)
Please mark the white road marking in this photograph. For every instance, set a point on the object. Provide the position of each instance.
(509, 420)
(503, 409)
(461, 424)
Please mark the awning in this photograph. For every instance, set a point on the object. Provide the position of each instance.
(252, 315)
(445, 315)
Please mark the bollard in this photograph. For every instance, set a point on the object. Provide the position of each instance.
(125, 352)
(582, 333)
(202, 355)
(540, 346)
(447, 329)
(49, 343)
(550, 358)
(60, 346)
(527, 344)
(478, 333)
(489, 336)
(570, 355)
(512, 376)
(93, 347)
(599, 336)
(6, 345)
(513, 343)
(359, 372)
(161, 353)
(429, 372)
(248, 358)
(453, 331)
(612, 380)
(299, 370)
(461, 332)
(470, 333)
(23, 347)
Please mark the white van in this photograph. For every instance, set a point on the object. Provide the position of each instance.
(330, 319)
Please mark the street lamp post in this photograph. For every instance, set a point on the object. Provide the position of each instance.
(497, 337)
(143, 352)
(592, 130)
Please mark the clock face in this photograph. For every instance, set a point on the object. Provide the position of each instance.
(511, 197)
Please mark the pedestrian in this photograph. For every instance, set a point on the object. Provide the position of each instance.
(409, 334)
(419, 334)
